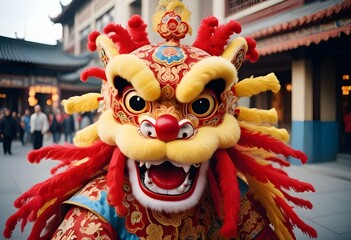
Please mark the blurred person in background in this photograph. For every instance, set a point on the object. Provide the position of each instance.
(8, 130)
(25, 123)
(68, 128)
(39, 125)
(20, 128)
(17, 120)
(85, 120)
(56, 125)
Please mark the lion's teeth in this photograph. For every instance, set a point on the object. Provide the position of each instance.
(148, 165)
(141, 164)
(147, 178)
(162, 191)
(186, 181)
(181, 188)
(186, 168)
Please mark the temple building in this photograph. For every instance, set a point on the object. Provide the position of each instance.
(34, 73)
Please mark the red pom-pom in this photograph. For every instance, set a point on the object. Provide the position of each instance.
(91, 40)
(252, 54)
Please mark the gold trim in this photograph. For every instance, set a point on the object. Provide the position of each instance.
(87, 208)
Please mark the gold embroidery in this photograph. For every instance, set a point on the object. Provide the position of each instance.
(144, 52)
(230, 102)
(136, 217)
(66, 230)
(102, 54)
(162, 109)
(167, 92)
(174, 219)
(251, 223)
(189, 231)
(213, 121)
(66, 226)
(154, 232)
(197, 223)
(245, 206)
(239, 58)
(68, 236)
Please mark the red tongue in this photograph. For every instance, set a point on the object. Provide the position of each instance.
(167, 176)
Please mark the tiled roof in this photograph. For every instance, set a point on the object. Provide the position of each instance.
(50, 56)
(311, 23)
(306, 14)
(68, 11)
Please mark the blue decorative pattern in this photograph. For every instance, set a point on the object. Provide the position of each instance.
(169, 55)
(104, 210)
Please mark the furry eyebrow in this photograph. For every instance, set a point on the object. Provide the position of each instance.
(202, 74)
(135, 72)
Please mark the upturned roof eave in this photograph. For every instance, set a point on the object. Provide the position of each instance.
(308, 14)
(309, 24)
(68, 11)
(42, 55)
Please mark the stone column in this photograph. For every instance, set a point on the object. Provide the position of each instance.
(302, 107)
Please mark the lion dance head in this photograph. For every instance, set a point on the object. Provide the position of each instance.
(170, 120)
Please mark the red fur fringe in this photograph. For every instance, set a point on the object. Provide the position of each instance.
(60, 186)
(115, 180)
(91, 40)
(137, 30)
(292, 218)
(121, 38)
(93, 72)
(222, 35)
(216, 193)
(125, 40)
(61, 181)
(206, 29)
(298, 201)
(265, 173)
(228, 183)
(252, 53)
(250, 139)
(213, 38)
(278, 160)
(279, 179)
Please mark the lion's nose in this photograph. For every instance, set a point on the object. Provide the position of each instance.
(167, 128)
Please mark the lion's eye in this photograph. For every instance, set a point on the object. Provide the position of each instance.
(203, 106)
(134, 103)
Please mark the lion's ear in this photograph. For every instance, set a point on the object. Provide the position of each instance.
(235, 51)
(106, 49)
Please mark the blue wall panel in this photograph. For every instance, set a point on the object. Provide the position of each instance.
(319, 140)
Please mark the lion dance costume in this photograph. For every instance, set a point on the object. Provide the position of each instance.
(172, 155)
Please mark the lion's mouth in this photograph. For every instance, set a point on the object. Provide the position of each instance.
(166, 180)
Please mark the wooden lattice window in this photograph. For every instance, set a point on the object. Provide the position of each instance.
(235, 6)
